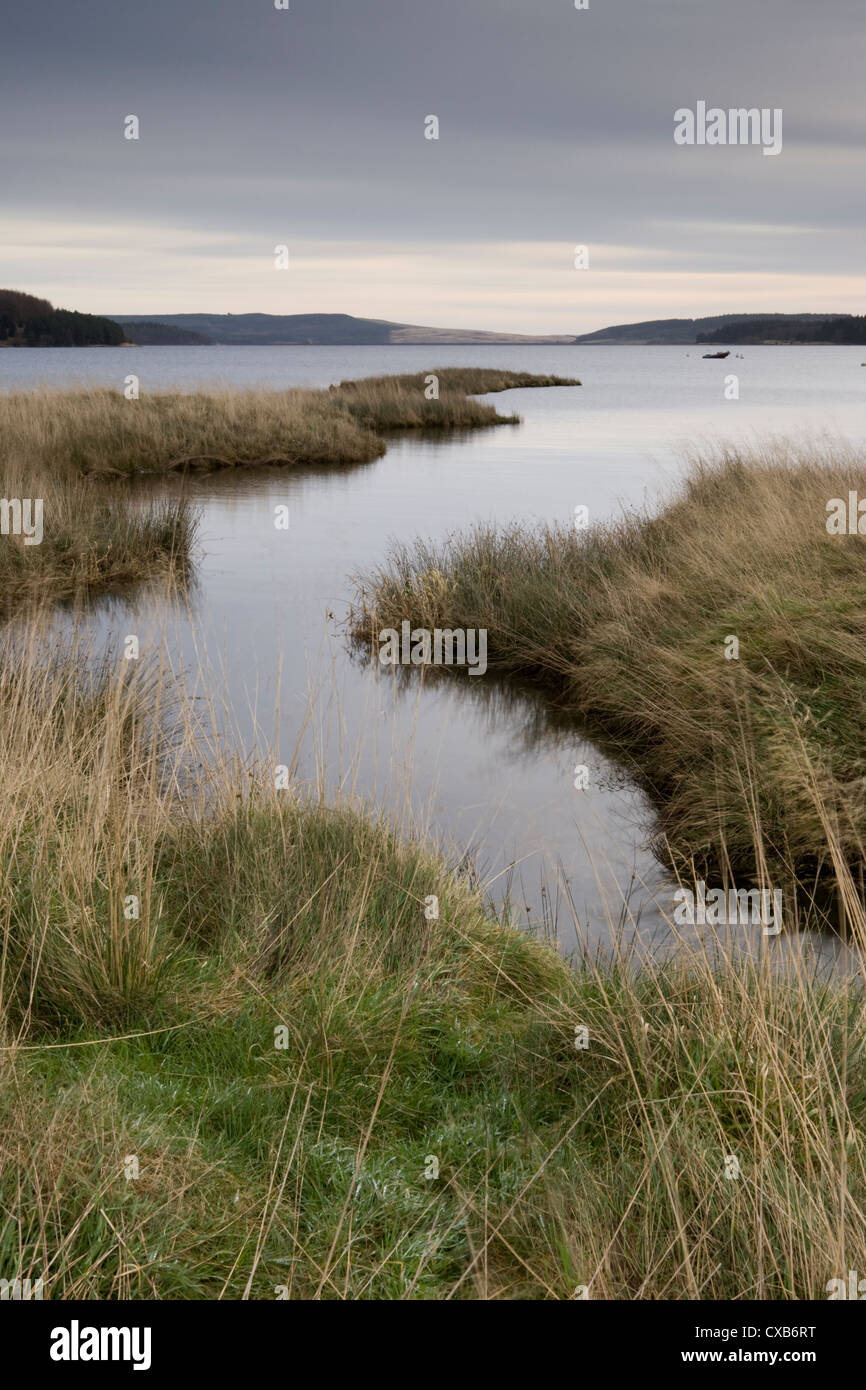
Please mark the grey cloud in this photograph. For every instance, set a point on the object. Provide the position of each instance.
(555, 124)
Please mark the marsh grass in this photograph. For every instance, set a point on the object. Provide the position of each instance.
(92, 540)
(96, 539)
(99, 430)
(393, 403)
(624, 627)
(303, 1167)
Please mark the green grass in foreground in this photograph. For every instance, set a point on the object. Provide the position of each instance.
(407, 1039)
(755, 764)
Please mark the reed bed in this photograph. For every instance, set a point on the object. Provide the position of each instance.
(100, 431)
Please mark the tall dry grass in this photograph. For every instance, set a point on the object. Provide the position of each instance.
(305, 1166)
(91, 539)
(99, 430)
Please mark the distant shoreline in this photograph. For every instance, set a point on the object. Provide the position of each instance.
(438, 344)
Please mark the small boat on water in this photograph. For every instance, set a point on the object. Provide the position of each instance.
(716, 354)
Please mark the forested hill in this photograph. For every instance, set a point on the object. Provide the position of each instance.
(850, 328)
(144, 333)
(26, 321)
(754, 328)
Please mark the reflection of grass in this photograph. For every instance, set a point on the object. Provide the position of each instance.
(625, 627)
(99, 430)
(407, 1038)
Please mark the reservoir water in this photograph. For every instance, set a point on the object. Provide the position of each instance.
(488, 773)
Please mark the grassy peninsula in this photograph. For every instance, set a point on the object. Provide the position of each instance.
(97, 539)
(100, 431)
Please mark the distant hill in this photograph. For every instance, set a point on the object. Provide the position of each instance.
(768, 327)
(345, 330)
(251, 330)
(148, 334)
(26, 321)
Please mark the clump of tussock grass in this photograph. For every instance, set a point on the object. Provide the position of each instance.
(83, 809)
(625, 628)
(98, 430)
(402, 1035)
(90, 541)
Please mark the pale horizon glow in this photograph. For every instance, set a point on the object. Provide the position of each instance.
(507, 287)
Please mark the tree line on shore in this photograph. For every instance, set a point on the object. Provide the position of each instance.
(850, 328)
(26, 321)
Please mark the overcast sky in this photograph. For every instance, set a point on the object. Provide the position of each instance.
(306, 127)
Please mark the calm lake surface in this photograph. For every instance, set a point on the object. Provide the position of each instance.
(485, 771)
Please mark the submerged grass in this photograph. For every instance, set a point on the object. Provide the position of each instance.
(628, 629)
(329, 1090)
